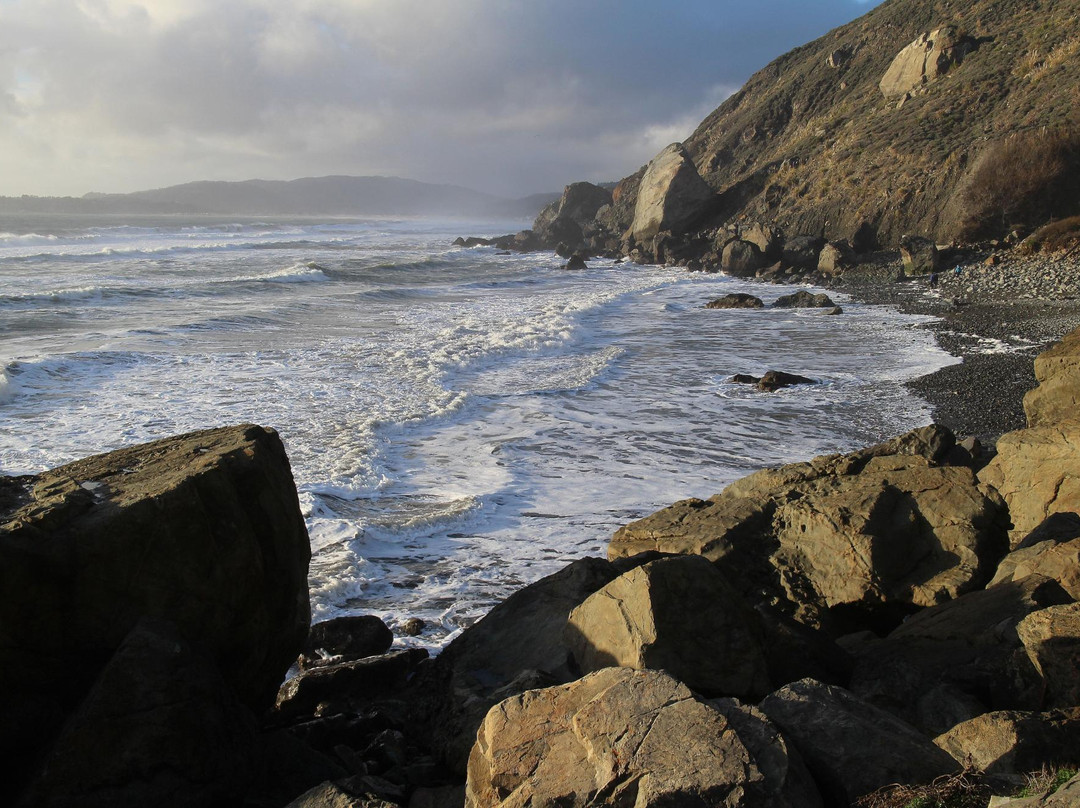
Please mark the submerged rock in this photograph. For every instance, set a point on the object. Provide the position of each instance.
(736, 300)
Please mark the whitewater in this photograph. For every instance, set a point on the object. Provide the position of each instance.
(460, 422)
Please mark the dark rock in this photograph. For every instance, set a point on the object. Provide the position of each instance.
(1051, 637)
(413, 627)
(736, 300)
(577, 261)
(864, 239)
(833, 311)
(581, 201)
(346, 638)
(851, 747)
(774, 380)
(741, 259)
(919, 255)
(159, 727)
(802, 251)
(804, 300)
(769, 240)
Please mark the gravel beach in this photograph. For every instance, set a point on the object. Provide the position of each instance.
(997, 314)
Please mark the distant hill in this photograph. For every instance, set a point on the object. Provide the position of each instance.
(817, 141)
(311, 196)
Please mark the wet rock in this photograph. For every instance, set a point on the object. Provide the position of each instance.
(736, 300)
(346, 638)
(804, 300)
(413, 627)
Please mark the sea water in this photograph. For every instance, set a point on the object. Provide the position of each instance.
(460, 422)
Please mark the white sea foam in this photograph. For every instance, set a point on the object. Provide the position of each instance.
(459, 422)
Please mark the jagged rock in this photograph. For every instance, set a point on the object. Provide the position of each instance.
(838, 58)
(857, 538)
(674, 614)
(202, 530)
(769, 240)
(802, 251)
(560, 231)
(1056, 400)
(834, 258)
(159, 727)
(926, 59)
(1057, 560)
(919, 255)
(736, 300)
(804, 300)
(741, 259)
(850, 746)
(672, 195)
(581, 201)
(1014, 742)
(517, 646)
(1052, 639)
(576, 261)
(346, 638)
(969, 644)
(348, 682)
(617, 737)
(1037, 472)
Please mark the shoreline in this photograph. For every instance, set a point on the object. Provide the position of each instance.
(996, 319)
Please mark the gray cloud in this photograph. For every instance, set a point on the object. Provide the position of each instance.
(504, 96)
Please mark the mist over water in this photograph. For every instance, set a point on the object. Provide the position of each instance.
(460, 422)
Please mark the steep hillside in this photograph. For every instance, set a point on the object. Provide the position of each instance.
(812, 142)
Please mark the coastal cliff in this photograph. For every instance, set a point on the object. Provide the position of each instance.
(813, 635)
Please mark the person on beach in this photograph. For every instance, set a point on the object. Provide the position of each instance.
(933, 280)
(956, 270)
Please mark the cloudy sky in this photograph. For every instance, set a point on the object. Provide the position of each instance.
(505, 96)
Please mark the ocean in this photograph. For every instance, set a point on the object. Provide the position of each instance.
(460, 422)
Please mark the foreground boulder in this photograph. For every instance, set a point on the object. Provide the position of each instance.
(201, 533)
(1014, 742)
(620, 737)
(675, 614)
(848, 540)
(851, 747)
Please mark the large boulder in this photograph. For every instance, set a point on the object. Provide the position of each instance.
(346, 638)
(851, 747)
(803, 299)
(802, 251)
(1014, 742)
(203, 531)
(741, 259)
(518, 645)
(835, 257)
(1057, 560)
(967, 648)
(581, 201)
(926, 59)
(675, 614)
(1052, 639)
(853, 539)
(620, 737)
(919, 255)
(736, 300)
(1037, 470)
(1056, 400)
(672, 195)
(159, 727)
(768, 239)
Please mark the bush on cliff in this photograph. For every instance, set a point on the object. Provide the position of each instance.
(1021, 182)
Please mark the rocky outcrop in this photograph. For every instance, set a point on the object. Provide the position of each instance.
(611, 739)
(851, 747)
(736, 300)
(804, 300)
(1052, 559)
(674, 614)
(1056, 400)
(565, 221)
(150, 597)
(926, 59)
(347, 638)
(919, 256)
(835, 257)
(1051, 637)
(672, 195)
(856, 538)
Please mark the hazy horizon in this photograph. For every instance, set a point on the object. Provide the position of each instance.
(116, 96)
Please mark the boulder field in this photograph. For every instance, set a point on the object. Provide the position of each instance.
(808, 636)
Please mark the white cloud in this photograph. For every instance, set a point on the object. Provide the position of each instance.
(510, 97)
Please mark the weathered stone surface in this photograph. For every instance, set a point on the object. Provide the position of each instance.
(928, 58)
(334, 795)
(1037, 472)
(919, 255)
(1057, 398)
(672, 195)
(850, 534)
(736, 300)
(969, 645)
(741, 259)
(835, 257)
(160, 727)
(850, 746)
(346, 638)
(1052, 639)
(517, 646)
(675, 614)
(615, 737)
(581, 201)
(1014, 742)
(1057, 560)
(768, 239)
(804, 300)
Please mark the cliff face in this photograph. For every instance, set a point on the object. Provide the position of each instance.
(884, 120)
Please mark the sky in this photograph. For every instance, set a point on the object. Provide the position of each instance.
(504, 96)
